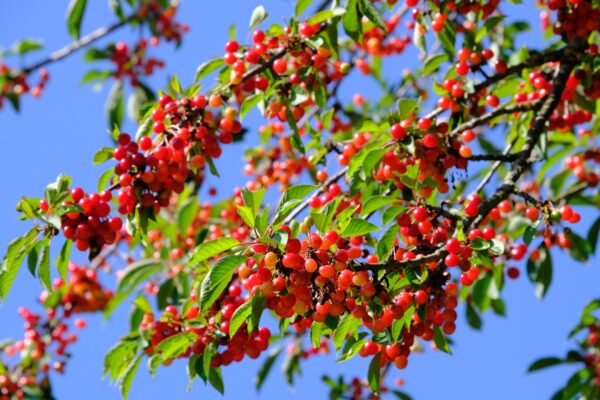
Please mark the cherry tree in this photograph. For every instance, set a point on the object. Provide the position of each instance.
(363, 226)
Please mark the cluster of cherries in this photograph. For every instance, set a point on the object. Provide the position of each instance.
(585, 166)
(236, 347)
(132, 63)
(592, 358)
(89, 224)
(17, 86)
(272, 165)
(575, 18)
(162, 22)
(47, 337)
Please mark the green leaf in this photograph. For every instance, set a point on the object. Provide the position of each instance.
(172, 347)
(433, 62)
(359, 227)
(480, 244)
(369, 10)
(473, 317)
(14, 257)
(592, 236)
(348, 325)
(301, 6)
(580, 248)
(386, 242)
(540, 272)
(497, 247)
(545, 363)
(105, 179)
(266, 367)
(103, 155)
(351, 20)
(375, 203)
(44, 267)
(212, 248)
(374, 375)
(217, 279)
(246, 213)
(240, 316)
(259, 303)
(95, 75)
(315, 334)
(216, 379)
(208, 67)
(75, 16)
(186, 213)
(25, 46)
(117, 8)
(137, 272)
(440, 340)
(406, 107)
(253, 199)
(115, 105)
(324, 15)
(258, 15)
(249, 103)
(118, 358)
(129, 375)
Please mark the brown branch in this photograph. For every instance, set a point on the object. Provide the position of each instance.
(475, 122)
(524, 161)
(494, 157)
(320, 189)
(569, 59)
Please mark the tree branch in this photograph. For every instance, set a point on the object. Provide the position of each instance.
(78, 44)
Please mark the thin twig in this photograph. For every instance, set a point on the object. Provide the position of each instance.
(78, 44)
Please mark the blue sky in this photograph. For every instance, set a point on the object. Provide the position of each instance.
(60, 133)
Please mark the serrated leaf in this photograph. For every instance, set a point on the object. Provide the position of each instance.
(172, 347)
(246, 213)
(347, 325)
(253, 199)
(249, 103)
(211, 248)
(208, 67)
(324, 15)
(433, 62)
(359, 227)
(129, 375)
(240, 316)
(375, 203)
(14, 257)
(217, 279)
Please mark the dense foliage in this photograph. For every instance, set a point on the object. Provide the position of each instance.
(471, 169)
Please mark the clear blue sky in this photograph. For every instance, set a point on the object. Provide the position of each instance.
(61, 132)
